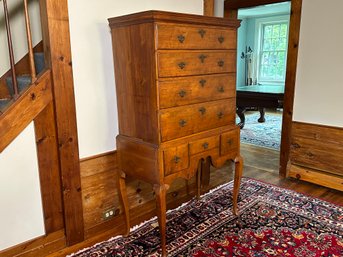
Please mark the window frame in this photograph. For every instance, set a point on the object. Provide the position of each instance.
(259, 24)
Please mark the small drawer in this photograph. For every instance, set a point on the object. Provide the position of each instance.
(229, 141)
(174, 36)
(203, 145)
(185, 63)
(175, 159)
(196, 89)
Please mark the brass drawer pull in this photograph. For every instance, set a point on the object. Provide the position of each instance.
(221, 63)
(202, 33)
(182, 65)
(220, 115)
(202, 58)
(220, 89)
(182, 123)
(181, 38)
(202, 82)
(230, 141)
(182, 93)
(205, 145)
(221, 39)
(202, 110)
(177, 159)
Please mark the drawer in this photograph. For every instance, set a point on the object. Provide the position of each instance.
(203, 145)
(174, 36)
(186, 120)
(229, 141)
(183, 63)
(196, 89)
(175, 159)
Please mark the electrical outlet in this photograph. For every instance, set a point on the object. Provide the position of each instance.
(109, 214)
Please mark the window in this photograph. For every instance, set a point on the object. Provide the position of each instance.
(272, 50)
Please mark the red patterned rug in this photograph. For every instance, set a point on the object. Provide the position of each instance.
(272, 222)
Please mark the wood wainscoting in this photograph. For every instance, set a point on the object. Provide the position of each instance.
(99, 194)
(316, 154)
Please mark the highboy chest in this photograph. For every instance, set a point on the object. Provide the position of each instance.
(176, 94)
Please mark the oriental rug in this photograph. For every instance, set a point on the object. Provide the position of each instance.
(272, 221)
(266, 134)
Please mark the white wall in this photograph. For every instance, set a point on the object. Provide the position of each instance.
(93, 65)
(21, 215)
(319, 83)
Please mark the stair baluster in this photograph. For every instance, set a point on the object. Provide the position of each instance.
(29, 43)
(10, 49)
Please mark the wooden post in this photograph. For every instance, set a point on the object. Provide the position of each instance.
(209, 7)
(56, 38)
(291, 73)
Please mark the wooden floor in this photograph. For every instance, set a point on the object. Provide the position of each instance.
(259, 163)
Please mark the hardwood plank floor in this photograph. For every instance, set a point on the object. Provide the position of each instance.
(259, 163)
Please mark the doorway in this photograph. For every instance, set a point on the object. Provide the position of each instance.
(231, 8)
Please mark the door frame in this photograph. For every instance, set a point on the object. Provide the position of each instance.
(230, 10)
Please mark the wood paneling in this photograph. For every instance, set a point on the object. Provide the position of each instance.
(49, 169)
(291, 72)
(316, 149)
(19, 115)
(56, 38)
(41, 246)
(316, 177)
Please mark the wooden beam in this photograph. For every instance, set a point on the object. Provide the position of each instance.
(49, 169)
(209, 7)
(237, 4)
(19, 115)
(291, 73)
(56, 38)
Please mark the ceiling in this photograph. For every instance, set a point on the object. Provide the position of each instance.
(265, 10)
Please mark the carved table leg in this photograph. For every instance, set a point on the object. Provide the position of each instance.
(262, 113)
(124, 201)
(240, 112)
(205, 172)
(198, 179)
(237, 182)
(160, 193)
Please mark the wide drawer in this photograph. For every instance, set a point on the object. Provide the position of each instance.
(175, 159)
(183, 63)
(229, 141)
(203, 145)
(173, 36)
(186, 120)
(196, 89)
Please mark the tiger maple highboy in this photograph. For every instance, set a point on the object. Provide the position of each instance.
(175, 82)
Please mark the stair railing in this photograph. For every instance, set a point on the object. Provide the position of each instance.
(29, 43)
(10, 49)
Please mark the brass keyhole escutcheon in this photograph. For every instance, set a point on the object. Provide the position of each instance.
(182, 123)
(182, 93)
(202, 33)
(230, 141)
(221, 63)
(202, 82)
(202, 58)
(202, 110)
(205, 145)
(182, 65)
(221, 39)
(221, 89)
(220, 115)
(181, 38)
(177, 159)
